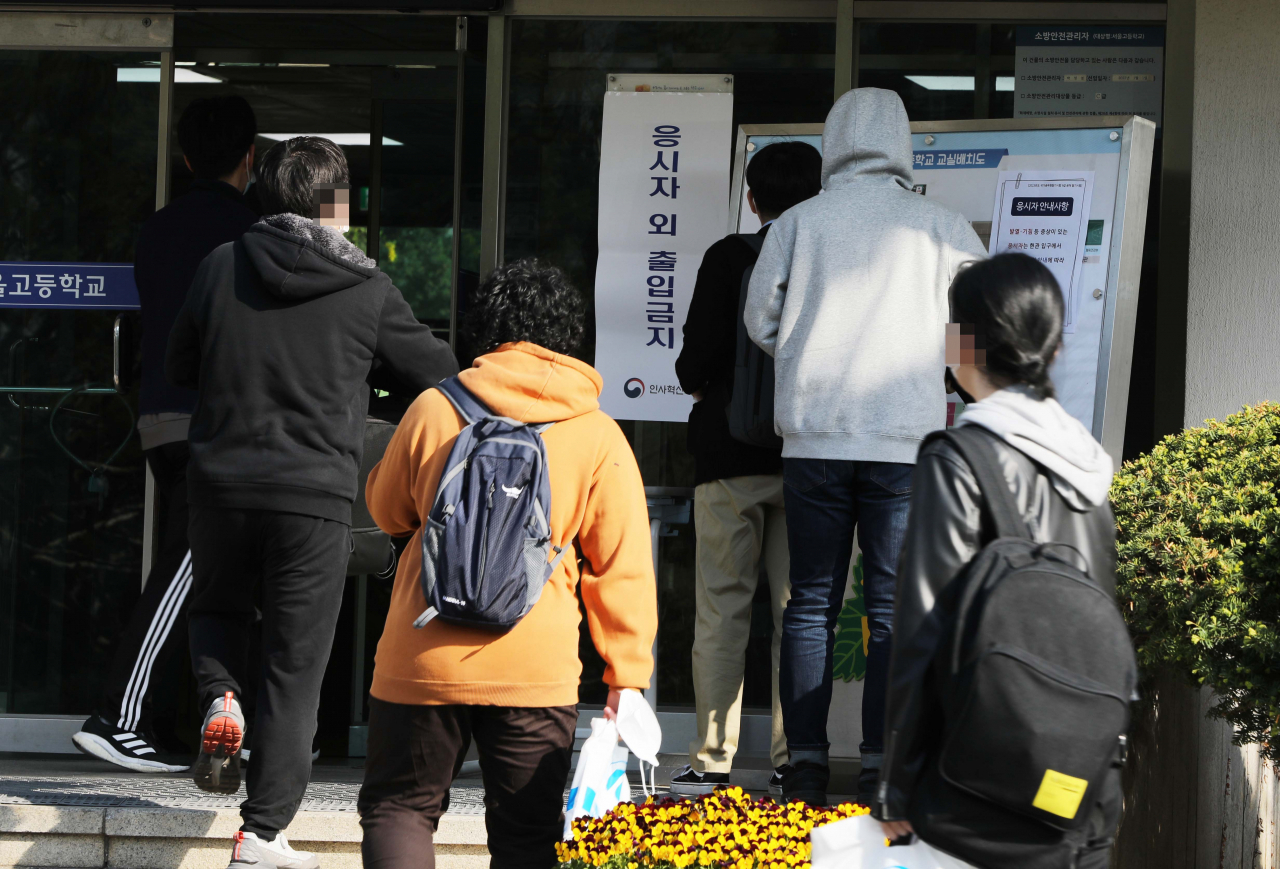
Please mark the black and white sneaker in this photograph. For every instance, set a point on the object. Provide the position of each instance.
(100, 738)
(688, 780)
(775, 780)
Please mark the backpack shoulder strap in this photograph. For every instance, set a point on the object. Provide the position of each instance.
(470, 408)
(974, 445)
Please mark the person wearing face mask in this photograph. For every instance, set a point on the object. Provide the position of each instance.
(1007, 330)
(216, 136)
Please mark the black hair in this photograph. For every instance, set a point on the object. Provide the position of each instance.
(287, 172)
(526, 301)
(1014, 305)
(215, 133)
(783, 174)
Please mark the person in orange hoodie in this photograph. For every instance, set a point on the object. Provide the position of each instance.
(437, 688)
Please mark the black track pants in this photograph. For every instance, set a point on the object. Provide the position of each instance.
(293, 567)
(149, 639)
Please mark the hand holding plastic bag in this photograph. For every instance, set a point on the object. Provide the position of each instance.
(859, 843)
(600, 781)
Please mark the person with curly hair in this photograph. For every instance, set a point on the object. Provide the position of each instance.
(437, 688)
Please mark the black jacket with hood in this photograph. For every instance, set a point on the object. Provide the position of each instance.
(172, 244)
(1061, 494)
(706, 364)
(283, 332)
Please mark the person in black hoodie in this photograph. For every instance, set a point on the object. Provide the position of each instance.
(216, 136)
(283, 333)
(738, 509)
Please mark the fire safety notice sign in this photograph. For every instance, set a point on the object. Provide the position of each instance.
(1080, 71)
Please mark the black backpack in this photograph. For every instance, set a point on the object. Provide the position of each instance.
(1034, 674)
(750, 407)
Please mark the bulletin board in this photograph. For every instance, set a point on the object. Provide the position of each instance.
(1070, 191)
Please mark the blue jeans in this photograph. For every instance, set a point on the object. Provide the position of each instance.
(825, 500)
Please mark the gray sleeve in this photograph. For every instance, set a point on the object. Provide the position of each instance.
(768, 289)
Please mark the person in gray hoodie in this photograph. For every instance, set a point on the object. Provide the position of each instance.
(850, 298)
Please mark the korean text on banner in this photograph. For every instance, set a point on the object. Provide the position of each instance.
(664, 181)
(1046, 215)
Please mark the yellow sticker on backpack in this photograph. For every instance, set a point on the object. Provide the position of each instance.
(1060, 794)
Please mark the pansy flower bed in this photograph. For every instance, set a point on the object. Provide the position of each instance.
(724, 830)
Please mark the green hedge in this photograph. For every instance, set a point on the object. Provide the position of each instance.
(1198, 546)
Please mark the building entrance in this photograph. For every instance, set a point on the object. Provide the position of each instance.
(79, 177)
(91, 136)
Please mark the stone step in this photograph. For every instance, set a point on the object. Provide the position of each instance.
(94, 837)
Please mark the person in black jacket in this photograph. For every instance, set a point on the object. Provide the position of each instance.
(1007, 329)
(216, 136)
(738, 510)
(280, 334)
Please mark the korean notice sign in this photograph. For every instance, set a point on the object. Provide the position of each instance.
(68, 285)
(664, 179)
(1077, 71)
(1045, 214)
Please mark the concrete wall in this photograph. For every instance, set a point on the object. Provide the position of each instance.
(1233, 311)
(1194, 800)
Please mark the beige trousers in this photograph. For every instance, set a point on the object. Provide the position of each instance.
(741, 525)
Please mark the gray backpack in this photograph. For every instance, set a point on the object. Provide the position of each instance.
(487, 540)
(750, 407)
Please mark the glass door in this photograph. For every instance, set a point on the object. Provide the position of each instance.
(78, 155)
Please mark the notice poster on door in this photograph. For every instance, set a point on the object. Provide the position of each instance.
(664, 179)
(1045, 214)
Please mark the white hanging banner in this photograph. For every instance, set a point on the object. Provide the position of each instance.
(664, 179)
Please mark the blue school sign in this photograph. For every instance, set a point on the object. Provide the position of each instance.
(74, 286)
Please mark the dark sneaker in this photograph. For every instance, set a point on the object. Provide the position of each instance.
(868, 779)
(100, 738)
(806, 783)
(775, 780)
(251, 851)
(688, 780)
(217, 768)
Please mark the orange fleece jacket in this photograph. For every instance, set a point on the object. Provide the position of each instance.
(597, 501)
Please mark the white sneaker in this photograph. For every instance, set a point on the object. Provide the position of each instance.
(249, 850)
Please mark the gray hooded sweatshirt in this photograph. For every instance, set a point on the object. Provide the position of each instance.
(850, 295)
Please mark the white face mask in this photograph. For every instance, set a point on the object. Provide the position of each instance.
(638, 727)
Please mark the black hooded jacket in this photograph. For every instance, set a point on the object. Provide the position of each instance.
(282, 333)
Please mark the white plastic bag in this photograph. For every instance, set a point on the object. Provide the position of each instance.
(600, 781)
(859, 843)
